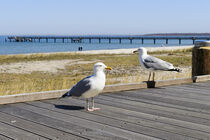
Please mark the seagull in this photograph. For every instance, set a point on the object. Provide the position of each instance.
(153, 64)
(90, 86)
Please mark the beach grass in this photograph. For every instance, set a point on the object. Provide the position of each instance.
(124, 66)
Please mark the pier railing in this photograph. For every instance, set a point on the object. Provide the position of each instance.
(79, 39)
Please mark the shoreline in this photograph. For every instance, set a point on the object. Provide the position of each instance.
(112, 51)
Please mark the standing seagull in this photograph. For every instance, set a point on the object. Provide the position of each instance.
(154, 64)
(90, 86)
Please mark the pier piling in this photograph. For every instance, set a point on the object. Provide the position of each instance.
(201, 58)
(79, 39)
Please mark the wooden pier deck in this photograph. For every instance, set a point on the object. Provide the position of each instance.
(180, 112)
(80, 39)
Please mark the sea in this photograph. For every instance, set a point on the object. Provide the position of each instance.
(7, 47)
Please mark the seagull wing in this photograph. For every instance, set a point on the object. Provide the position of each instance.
(154, 63)
(81, 87)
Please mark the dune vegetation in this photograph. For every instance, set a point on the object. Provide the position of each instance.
(21, 79)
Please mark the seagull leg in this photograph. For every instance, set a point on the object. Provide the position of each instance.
(93, 105)
(87, 105)
(149, 76)
(153, 76)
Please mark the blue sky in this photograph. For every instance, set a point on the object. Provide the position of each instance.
(93, 17)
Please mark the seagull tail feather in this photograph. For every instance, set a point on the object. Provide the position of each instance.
(176, 69)
(67, 94)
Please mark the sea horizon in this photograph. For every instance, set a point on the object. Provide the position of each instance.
(7, 47)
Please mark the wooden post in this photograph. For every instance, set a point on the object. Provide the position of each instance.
(99, 40)
(54, 40)
(180, 41)
(131, 41)
(142, 41)
(63, 40)
(193, 41)
(154, 41)
(109, 40)
(201, 59)
(167, 41)
(120, 40)
(47, 40)
(89, 40)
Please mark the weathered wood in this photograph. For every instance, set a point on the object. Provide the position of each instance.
(173, 112)
(182, 94)
(136, 107)
(35, 128)
(139, 121)
(150, 104)
(187, 90)
(196, 101)
(3, 137)
(146, 128)
(201, 59)
(152, 99)
(135, 130)
(157, 102)
(59, 124)
(14, 133)
(140, 115)
(71, 124)
(201, 78)
(161, 109)
(109, 88)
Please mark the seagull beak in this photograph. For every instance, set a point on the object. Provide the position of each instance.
(108, 68)
(135, 51)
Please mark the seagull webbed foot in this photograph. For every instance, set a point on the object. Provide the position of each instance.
(92, 109)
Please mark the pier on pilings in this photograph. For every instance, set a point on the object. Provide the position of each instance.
(79, 39)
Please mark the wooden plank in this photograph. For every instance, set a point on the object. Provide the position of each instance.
(179, 93)
(113, 123)
(68, 123)
(145, 102)
(145, 127)
(165, 102)
(190, 89)
(201, 78)
(82, 132)
(185, 92)
(161, 107)
(35, 128)
(153, 94)
(109, 108)
(196, 86)
(202, 85)
(3, 137)
(15, 133)
(111, 113)
(135, 107)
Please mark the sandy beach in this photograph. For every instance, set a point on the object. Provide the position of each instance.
(53, 71)
(54, 66)
(130, 51)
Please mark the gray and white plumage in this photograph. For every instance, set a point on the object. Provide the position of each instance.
(90, 86)
(80, 88)
(152, 63)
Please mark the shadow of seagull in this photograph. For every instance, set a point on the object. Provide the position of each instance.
(69, 107)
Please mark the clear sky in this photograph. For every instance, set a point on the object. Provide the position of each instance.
(93, 17)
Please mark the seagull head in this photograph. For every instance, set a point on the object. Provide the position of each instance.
(101, 67)
(141, 51)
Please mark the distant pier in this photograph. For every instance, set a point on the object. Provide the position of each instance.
(80, 39)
